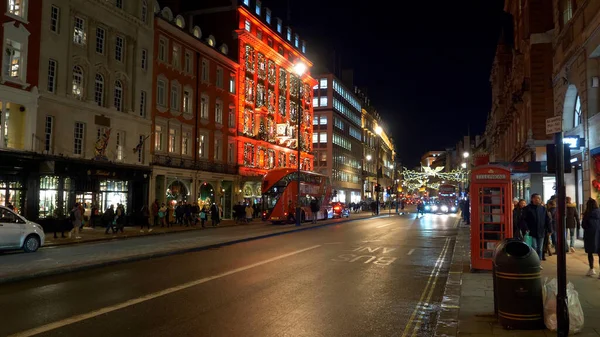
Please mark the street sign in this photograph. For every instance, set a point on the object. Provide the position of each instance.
(553, 125)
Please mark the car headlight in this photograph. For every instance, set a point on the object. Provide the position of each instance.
(444, 208)
(453, 208)
(427, 208)
(434, 208)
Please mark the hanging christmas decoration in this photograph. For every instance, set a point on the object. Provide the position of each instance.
(249, 90)
(262, 66)
(248, 123)
(293, 86)
(282, 106)
(271, 102)
(249, 154)
(249, 56)
(272, 76)
(261, 94)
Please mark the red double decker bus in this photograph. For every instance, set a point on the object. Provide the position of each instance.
(280, 186)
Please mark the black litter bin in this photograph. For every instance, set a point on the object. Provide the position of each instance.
(499, 247)
(518, 287)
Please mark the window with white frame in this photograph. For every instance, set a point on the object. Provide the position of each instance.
(48, 128)
(323, 83)
(231, 116)
(144, 11)
(231, 153)
(247, 2)
(119, 4)
(13, 59)
(323, 137)
(161, 92)
(279, 23)
(144, 62)
(296, 40)
(176, 57)
(99, 90)
(289, 34)
(247, 25)
(118, 95)
(172, 140)
(100, 38)
(78, 135)
(175, 89)
(219, 112)
(205, 70)
(79, 31)
(204, 107)
(218, 149)
(257, 10)
(77, 89)
(119, 48)
(185, 143)
(323, 101)
(52, 68)
(158, 138)
(142, 103)
(202, 148)
(54, 19)
(162, 49)
(268, 16)
(232, 84)
(187, 101)
(219, 77)
(17, 7)
(577, 112)
(140, 149)
(120, 143)
(188, 62)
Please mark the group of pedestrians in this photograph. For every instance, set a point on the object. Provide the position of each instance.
(539, 222)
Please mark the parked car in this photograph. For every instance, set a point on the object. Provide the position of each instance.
(16, 232)
(340, 210)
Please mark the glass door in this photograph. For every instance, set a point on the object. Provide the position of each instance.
(492, 219)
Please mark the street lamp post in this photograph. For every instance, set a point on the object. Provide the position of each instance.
(299, 69)
(368, 158)
(378, 131)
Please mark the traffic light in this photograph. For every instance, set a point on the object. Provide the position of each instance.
(377, 188)
(389, 190)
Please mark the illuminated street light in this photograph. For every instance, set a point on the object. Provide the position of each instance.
(378, 130)
(465, 154)
(463, 165)
(299, 69)
(369, 157)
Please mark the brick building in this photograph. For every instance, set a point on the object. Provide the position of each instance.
(193, 115)
(522, 95)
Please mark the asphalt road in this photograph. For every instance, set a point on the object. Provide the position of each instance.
(377, 277)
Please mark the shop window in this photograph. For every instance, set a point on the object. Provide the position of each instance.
(10, 194)
(113, 192)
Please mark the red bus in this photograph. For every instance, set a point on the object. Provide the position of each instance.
(280, 186)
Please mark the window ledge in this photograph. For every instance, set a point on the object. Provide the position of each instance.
(16, 17)
(188, 115)
(15, 81)
(161, 108)
(175, 112)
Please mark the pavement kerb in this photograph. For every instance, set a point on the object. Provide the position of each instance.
(92, 265)
(447, 320)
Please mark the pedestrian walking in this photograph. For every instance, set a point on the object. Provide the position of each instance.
(162, 215)
(551, 206)
(572, 222)
(314, 209)
(249, 213)
(591, 233)
(145, 218)
(536, 222)
(108, 218)
(517, 216)
(214, 214)
(75, 218)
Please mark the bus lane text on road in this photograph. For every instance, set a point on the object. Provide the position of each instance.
(364, 254)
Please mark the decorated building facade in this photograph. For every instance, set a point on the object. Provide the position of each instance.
(194, 139)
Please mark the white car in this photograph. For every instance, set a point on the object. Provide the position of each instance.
(16, 232)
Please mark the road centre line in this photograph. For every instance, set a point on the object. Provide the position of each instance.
(381, 226)
(148, 297)
(411, 251)
(436, 267)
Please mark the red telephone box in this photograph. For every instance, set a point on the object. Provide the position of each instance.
(491, 212)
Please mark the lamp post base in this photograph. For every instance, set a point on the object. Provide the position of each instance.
(298, 216)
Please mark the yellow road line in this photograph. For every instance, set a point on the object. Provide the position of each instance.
(437, 265)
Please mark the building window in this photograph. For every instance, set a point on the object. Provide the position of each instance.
(48, 127)
(161, 97)
(185, 143)
(567, 11)
(577, 112)
(176, 57)
(323, 83)
(296, 40)
(99, 90)
(323, 120)
(232, 84)
(270, 42)
(140, 149)
(289, 34)
(52, 67)
(13, 59)
(77, 82)
(79, 31)
(120, 144)
(247, 2)
(172, 140)
(231, 116)
(175, 96)
(118, 95)
(268, 16)
(120, 44)
(187, 102)
(202, 153)
(231, 153)
(219, 77)
(303, 47)
(258, 7)
(188, 62)
(17, 7)
(162, 50)
(247, 25)
(78, 135)
(158, 138)
(142, 103)
(323, 137)
(205, 69)
(119, 4)
(54, 19)
(279, 24)
(219, 112)
(315, 102)
(204, 107)
(144, 62)
(323, 101)
(218, 149)
(100, 34)
(144, 11)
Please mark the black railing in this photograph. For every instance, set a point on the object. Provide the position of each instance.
(200, 165)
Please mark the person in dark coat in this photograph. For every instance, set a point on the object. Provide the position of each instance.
(517, 215)
(551, 206)
(536, 222)
(214, 214)
(591, 233)
(572, 222)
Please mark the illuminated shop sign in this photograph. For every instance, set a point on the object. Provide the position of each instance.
(574, 142)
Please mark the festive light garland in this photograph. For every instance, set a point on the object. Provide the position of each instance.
(428, 173)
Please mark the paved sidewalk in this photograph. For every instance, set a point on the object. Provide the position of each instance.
(67, 258)
(468, 307)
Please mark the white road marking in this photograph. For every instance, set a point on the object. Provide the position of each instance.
(411, 251)
(333, 243)
(106, 310)
(372, 240)
(389, 224)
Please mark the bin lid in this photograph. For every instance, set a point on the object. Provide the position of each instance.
(516, 254)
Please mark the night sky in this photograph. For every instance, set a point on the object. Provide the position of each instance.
(425, 64)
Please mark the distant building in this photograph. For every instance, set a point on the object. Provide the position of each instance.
(429, 157)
